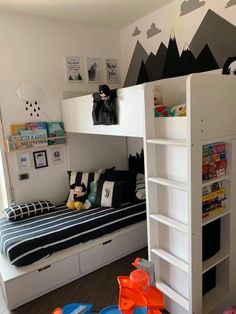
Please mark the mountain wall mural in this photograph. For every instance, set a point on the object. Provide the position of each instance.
(212, 44)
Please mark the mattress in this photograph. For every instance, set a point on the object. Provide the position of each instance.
(27, 241)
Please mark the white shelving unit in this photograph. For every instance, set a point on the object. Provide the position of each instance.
(173, 169)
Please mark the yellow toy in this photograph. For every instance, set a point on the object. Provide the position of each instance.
(79, 200)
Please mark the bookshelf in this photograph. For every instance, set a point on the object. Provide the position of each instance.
(174, 189)
(34, 135)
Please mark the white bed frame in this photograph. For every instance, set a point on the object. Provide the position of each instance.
(23, 284)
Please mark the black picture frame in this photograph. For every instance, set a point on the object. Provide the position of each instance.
(40, 159)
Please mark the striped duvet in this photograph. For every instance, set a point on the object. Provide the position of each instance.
(27, 241)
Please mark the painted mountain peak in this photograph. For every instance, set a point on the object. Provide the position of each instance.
(208, 50)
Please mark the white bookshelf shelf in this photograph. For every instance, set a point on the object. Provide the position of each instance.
(213, 298)
(169, 183)
(171, 259)
(213, 217)
(162, 141)
(215, 260)
(220, 178)
(170, 222)
(176, 297)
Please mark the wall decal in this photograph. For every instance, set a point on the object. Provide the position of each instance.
(31, 94)
(136, 32)
(190, 5)
(154, 30)
(208, 50)
(219, 34)
(230, 3)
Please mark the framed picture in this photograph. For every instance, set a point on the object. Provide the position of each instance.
(40, 159)
(74, 66)
(57, 155)
(23, 161)
(94, 69)
(112, 70)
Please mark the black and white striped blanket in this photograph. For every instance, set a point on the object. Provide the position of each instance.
(27, 241)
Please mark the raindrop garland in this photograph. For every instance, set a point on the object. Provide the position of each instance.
(33, 108)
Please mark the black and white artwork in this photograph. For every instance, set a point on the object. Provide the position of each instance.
(112, 70)
(74, 69)
(154, 30)
(94, 69)
(40, 159)
(191, 5)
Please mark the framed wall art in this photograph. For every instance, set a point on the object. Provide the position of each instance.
(74, 67)
(94, 69)
(111, 66)
(40, 159)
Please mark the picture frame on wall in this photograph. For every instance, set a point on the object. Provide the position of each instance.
(94, 69)
(56, 155)
(23, 160)
(40, 159)
(74, 67)
(112, 74)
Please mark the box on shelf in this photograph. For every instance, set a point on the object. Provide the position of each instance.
(56, 129)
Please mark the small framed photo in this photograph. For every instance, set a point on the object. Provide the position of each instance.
(112, 70)
(23, 161)
(94, 69)
(74, 67)
(40, 159)
(57, 155)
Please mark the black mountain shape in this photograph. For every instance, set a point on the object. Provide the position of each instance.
(219, 34)
(206, 60)
(155, 63)
(188, 63)
(172, 61)
(142, 76)
(140, 55)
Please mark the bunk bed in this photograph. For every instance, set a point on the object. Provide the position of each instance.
(40, 261)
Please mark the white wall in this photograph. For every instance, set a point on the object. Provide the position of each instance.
(33, 49)
(167, 18)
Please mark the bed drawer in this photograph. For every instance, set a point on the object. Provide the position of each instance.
(41, 281)
(112, 249)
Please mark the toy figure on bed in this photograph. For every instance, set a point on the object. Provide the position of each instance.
(104, 107)
(79, 200)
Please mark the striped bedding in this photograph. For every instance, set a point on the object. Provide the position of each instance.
(27, 241)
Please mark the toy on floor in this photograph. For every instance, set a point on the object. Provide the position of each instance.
(137, 294)
(79, 200)
(231, 310)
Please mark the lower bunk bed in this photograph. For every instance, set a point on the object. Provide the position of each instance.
(45, 252)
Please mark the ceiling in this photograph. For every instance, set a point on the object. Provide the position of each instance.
(114, 14)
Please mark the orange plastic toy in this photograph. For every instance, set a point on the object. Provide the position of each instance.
(136, 292)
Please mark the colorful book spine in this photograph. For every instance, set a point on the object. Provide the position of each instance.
(35, 137)
(37, 125)
(15, 129)
(56, 129)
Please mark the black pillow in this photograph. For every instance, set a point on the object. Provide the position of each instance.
(109, 194)
(125, 176)
(22, 211)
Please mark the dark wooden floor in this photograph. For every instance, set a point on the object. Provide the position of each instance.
(99, 288)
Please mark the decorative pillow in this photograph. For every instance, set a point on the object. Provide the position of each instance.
(84, 177)
(125, 176)
(93, 192)
(109, 193)
(22, 211)
(140, 187)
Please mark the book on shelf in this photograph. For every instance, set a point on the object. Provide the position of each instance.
(15, 129)
(213, 212)
(36, 125)
(37, 137)
(56, 129)
(14, 142)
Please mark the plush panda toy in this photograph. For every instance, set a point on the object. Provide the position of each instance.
(230, 66)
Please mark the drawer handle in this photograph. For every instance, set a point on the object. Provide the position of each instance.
(109, 241)
(43, 268)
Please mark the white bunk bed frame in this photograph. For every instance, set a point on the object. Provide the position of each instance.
(178, 262)
(23, 284)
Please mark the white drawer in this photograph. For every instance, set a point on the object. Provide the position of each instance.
(112, 249)
(41, 281)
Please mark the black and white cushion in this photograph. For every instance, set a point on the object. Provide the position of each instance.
(140, 187)
(109, 193)
(22, 211)
(79, 177)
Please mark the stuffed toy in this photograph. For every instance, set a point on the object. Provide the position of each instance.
(80, 200)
